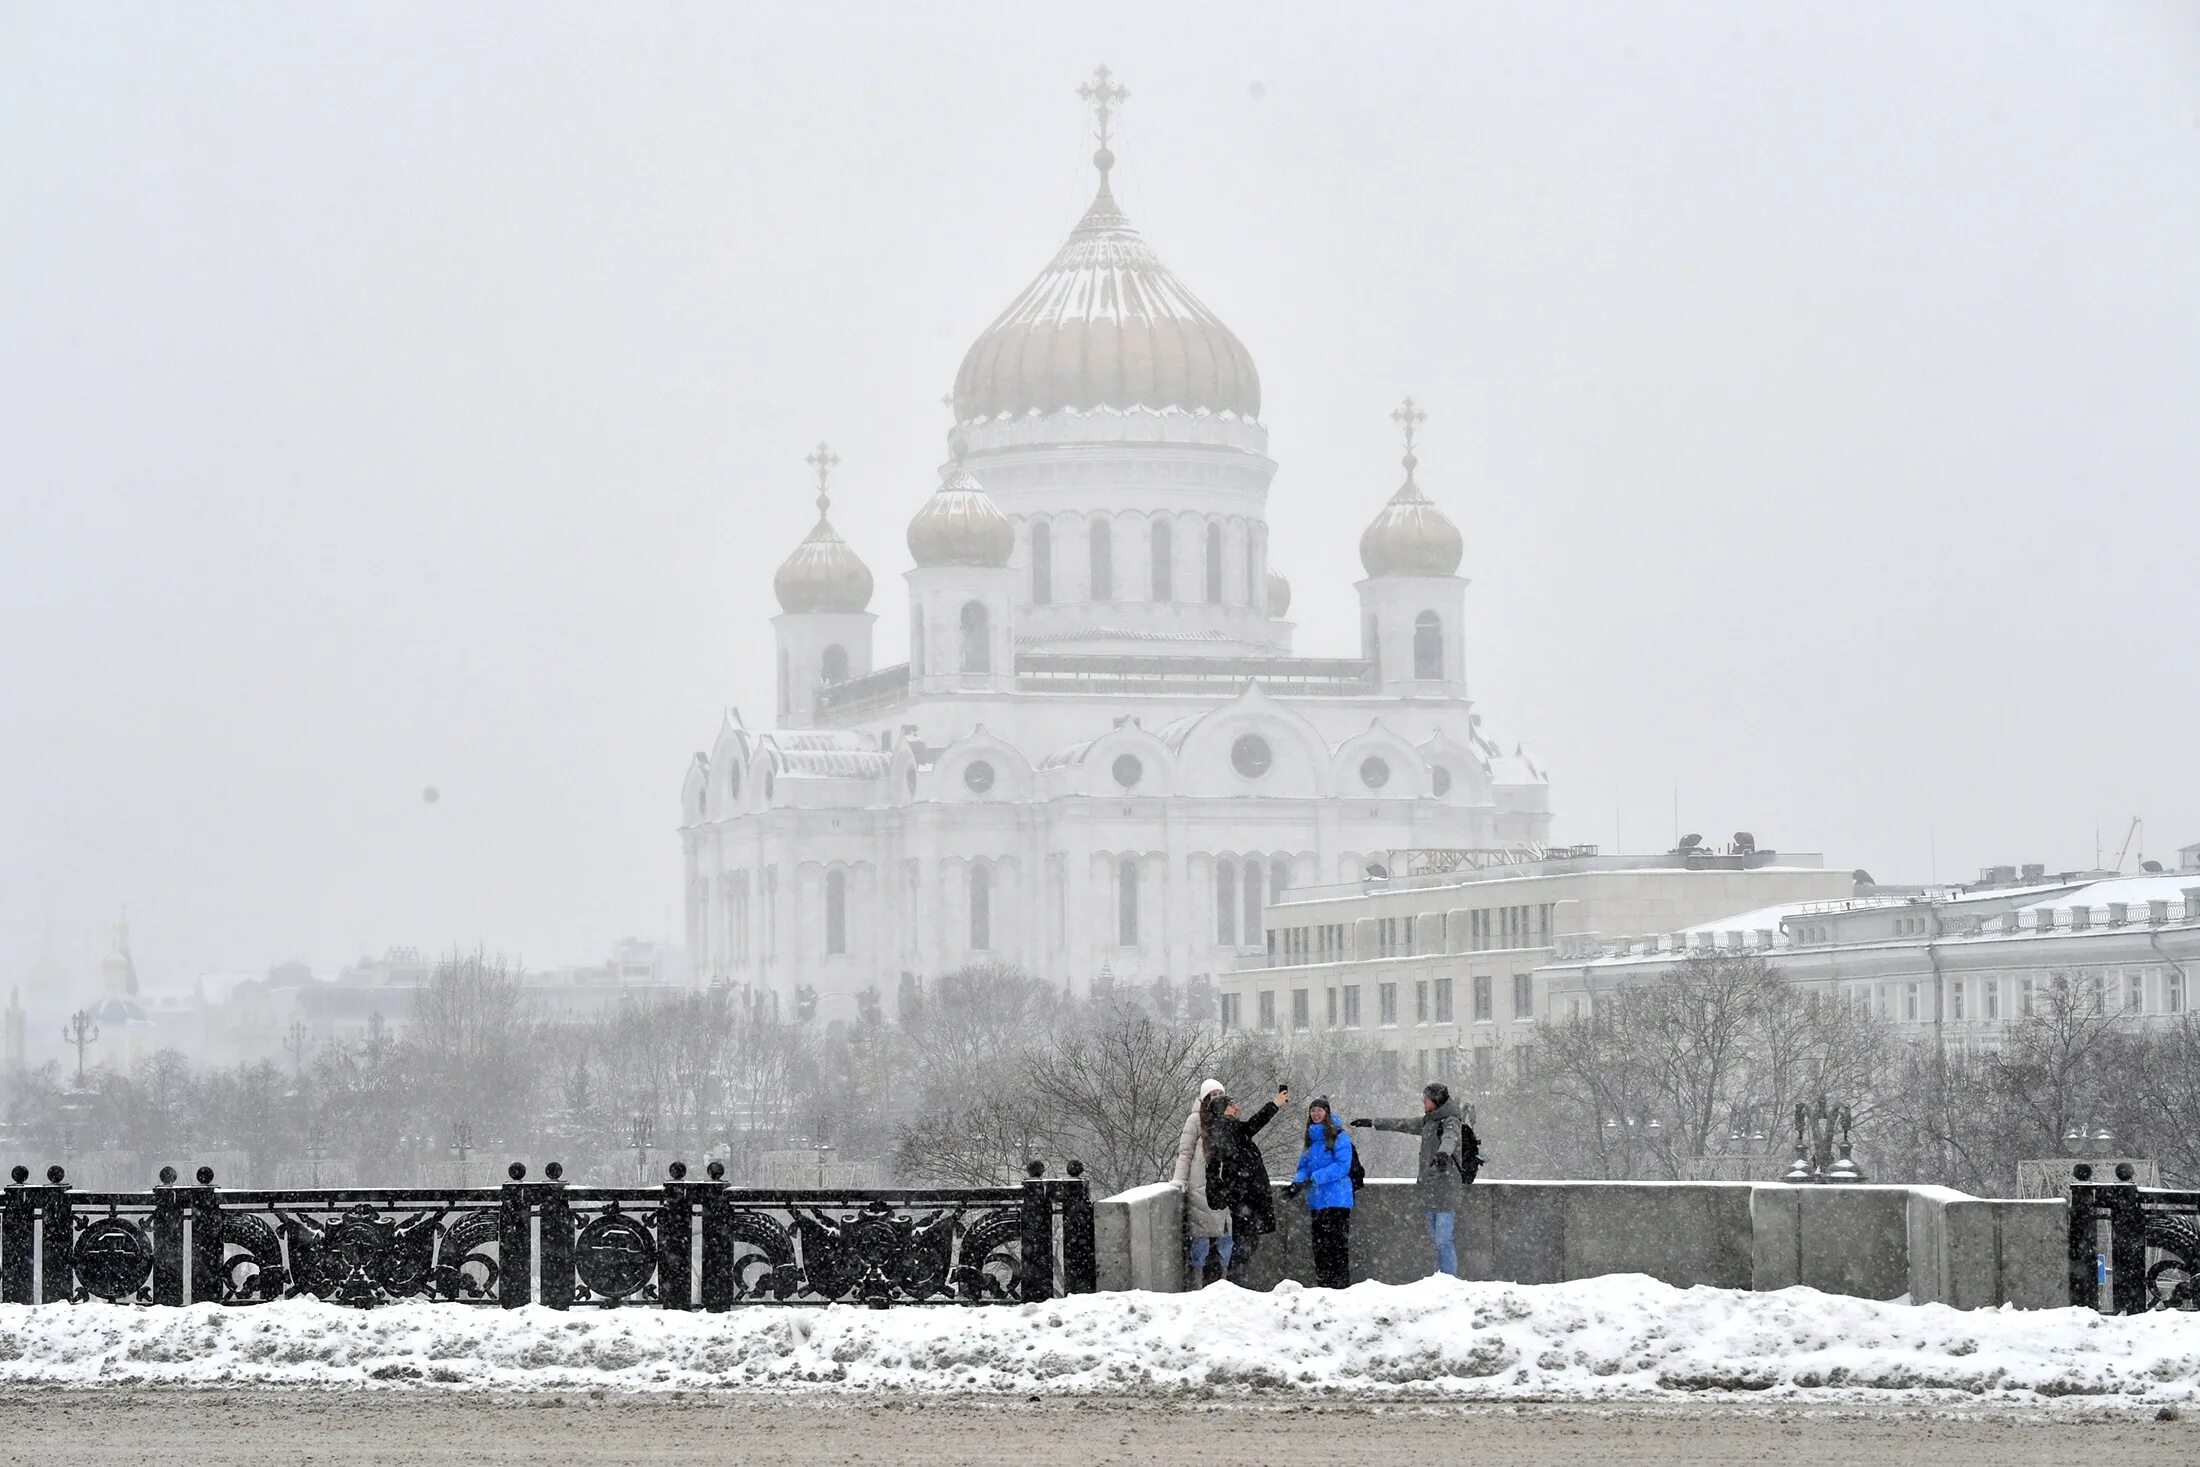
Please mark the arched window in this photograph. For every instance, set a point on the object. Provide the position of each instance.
(1042, 563)
(1428, 648)
(1279, 876)
(1164, 562)
(977, 638)
(981, 907)
(836, 910)
(1126, 902)
(1371, 643)
(1214, 563)
(1103, 561)
(1226, 901)
(1256, 586)
(833, 666)
(1253, 893)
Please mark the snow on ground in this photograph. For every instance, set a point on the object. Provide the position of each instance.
(1621, 1338)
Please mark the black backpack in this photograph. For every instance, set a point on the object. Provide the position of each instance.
(1470, 1154)
(1359, 1173)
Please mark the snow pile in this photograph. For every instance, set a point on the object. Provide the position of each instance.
(1622, 1337)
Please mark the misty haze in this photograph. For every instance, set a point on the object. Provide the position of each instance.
(702, 656)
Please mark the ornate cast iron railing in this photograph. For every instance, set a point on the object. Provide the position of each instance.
(2152, 1252)
(680, 1245)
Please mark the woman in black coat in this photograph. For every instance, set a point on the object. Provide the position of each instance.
(1237, 1177)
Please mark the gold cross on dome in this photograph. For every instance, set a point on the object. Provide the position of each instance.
(1410, 418)
(824, 461)
(1105, 96)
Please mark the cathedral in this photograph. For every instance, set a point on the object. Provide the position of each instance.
(1098, 758)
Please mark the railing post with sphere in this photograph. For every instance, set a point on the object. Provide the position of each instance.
(515, 1240)
(718, 1240)
(170, 1266)
(1035, 1238)
(676, 1239)
(556, 1218)
(2127, 1245)
(208, 1284)
(16, 1241)
(56, 1239)
(1080, 1255)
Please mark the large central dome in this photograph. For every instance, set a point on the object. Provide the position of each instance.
(1106, 326)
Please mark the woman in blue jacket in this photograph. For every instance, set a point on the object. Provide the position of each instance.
(1325, 1174)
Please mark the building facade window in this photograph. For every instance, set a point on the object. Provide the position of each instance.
(1428, 648)
(1990, 991)
(1352, 1005)
(1955, 1000)
(1253, 889)
(1164, 562)
(833, 666)
(1523, 995)
(1443, 1001)
(1126, 902)
(1330, 1006)
(1268, 1010)
(1042, 563)
(1909, 1003)
(981, 907)
(1228, 1010)
(836, 910)
(1386, 999)
(977, 638)
(1301, 1016)
(1102, 582)
(1214, 564)
(1485, 1006)
(1420, 1000)
(2173, 992)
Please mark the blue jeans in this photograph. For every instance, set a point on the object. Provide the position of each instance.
(1439, 1233)
(1199, 1252)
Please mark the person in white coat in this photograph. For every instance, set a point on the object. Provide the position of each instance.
(1207, 1227)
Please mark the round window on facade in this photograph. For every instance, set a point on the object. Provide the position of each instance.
(1128, 771)
(1251, 756)
(978, 775)
(1440, 780)
(1374, 773)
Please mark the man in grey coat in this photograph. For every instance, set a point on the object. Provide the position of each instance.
(1445, 1138)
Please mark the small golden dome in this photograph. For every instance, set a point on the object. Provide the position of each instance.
(1411, 537)
(823, 574)
(1279, 596)
(961, 525)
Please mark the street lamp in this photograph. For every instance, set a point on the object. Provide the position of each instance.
(638, 1133)
(1631, 1134)
(822, 1151)
(461, 1140)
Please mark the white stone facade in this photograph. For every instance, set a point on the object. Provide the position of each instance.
(1099, 755)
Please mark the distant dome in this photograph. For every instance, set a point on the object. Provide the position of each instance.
(1106, 326)
(961, 525)
(1279, 596)
(1411, 537)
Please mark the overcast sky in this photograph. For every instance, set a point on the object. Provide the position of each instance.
(407, 395)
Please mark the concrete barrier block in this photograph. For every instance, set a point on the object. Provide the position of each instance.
(1776, 1237)
(1856, 1240)
(2033, 1269)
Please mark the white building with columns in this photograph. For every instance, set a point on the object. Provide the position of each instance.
(1097, 754)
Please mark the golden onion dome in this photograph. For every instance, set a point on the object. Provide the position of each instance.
(961, 525)
(1411, 537)
(1105, 326)
(823, 574)
(1279, 596)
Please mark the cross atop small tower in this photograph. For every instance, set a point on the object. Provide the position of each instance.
(1409, 417)
(1104, 96)
(824, 461)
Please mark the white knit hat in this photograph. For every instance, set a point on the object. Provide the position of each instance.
(1211, 1087)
